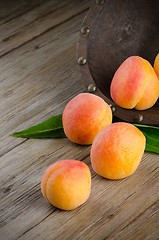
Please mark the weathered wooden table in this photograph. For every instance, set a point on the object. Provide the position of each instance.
(38, 76)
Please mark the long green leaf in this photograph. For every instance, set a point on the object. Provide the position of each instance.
(51, 128)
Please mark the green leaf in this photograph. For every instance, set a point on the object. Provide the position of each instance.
(51, 128)
(152, 137)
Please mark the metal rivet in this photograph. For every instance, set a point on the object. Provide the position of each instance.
(85, 31)
(99, 2)
(91, 88)
(82, 60)
(112, 108)
(139, 118)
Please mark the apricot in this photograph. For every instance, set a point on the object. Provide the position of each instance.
(84, 116)
(66, 184)
(117, 150)
(156, 65)
(135, 84)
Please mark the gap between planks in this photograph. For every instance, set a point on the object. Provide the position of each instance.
(41, 34)
(8, 18)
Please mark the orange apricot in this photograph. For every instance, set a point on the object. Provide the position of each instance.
(66, 184)
(156, 65)
(84, 116)
(135, 84)
(117, 150)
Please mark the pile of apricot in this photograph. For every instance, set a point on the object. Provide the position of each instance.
(117, 148)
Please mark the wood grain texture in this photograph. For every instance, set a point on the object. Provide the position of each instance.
(36, 22)
(44, 69)
(39, 75)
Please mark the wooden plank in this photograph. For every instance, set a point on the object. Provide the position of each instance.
(47, 76)
(145, 226)
(110, 201)
(11, 9)
(110, 224)
(36, 22)
(21, 189)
